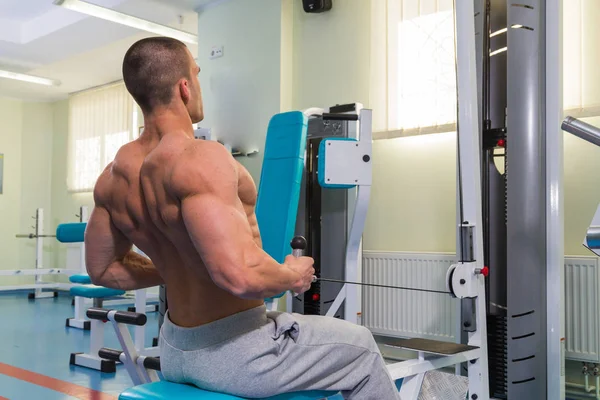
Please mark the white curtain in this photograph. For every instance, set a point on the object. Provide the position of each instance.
(100, 122)
(581, 57)
(413, 74)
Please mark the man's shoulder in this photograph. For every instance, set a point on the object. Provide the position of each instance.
(202, 166)
(103, 186)
(206, 149)
(119, 173)
(203, 155)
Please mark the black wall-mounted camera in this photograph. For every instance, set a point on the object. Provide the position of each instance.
(316, 6)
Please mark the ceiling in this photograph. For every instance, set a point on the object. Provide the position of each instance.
(39, 38)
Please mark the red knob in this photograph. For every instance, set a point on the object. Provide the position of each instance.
(501, 143)
(485, 271)
(316, 297)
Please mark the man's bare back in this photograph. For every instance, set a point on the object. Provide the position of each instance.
(137, 191)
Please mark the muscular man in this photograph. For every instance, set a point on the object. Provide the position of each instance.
(189, 206)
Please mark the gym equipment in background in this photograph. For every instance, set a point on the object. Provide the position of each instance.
(325, 211)
(39, 271)
(83, 289)
(79, 320)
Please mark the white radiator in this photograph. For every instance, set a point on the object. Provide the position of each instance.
(404, 313)
(581, 309)
(408, 313)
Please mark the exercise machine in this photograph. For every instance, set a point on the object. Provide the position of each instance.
(519, 94)
(81, 290)
(326, 210)
(42, 289)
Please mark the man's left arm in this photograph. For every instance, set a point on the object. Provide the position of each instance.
(110, 260)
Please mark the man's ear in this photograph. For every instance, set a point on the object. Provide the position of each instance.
(184, 90)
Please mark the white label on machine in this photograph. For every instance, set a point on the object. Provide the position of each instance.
(347, 162)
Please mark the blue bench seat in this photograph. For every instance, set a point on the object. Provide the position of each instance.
(71, 232)
(95, 292)
(82, 279)
(164, 390)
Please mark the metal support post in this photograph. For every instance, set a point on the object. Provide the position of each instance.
(555, 296)
(39, 255)
(527, 194)
(140, 331)
(79, 320)
(470, 184)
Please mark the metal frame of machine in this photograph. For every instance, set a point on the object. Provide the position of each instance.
(521, 105)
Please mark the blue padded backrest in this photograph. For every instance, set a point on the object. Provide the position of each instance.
(281, 177)
(71, 233)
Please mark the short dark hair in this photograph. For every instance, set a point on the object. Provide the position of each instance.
(151, 68)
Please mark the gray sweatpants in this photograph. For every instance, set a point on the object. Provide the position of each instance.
(258, 354)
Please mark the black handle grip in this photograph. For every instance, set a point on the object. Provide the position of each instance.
(125, 317)
(298, 243)
(97, 313)
(131, 318)
(110, 354)
(152, 363)
(340, 117)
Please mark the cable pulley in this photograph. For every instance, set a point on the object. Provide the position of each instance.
(315, 279)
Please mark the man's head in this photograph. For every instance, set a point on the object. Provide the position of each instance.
(161, 71)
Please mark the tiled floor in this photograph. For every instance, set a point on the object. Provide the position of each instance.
(35, 347)
(33, 337)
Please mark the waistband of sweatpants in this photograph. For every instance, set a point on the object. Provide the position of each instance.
(219, 331)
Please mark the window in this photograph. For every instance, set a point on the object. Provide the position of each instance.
(100, 122)
(413, 75)
(581, 41)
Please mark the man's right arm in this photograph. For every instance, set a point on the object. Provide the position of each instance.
(206, 181)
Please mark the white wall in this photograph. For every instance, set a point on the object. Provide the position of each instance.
(65, 205)
(582, 189)
(11, 112)
(414, 195)
(332, 55)
(25, 140)
(242, 89)
(36, 165)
